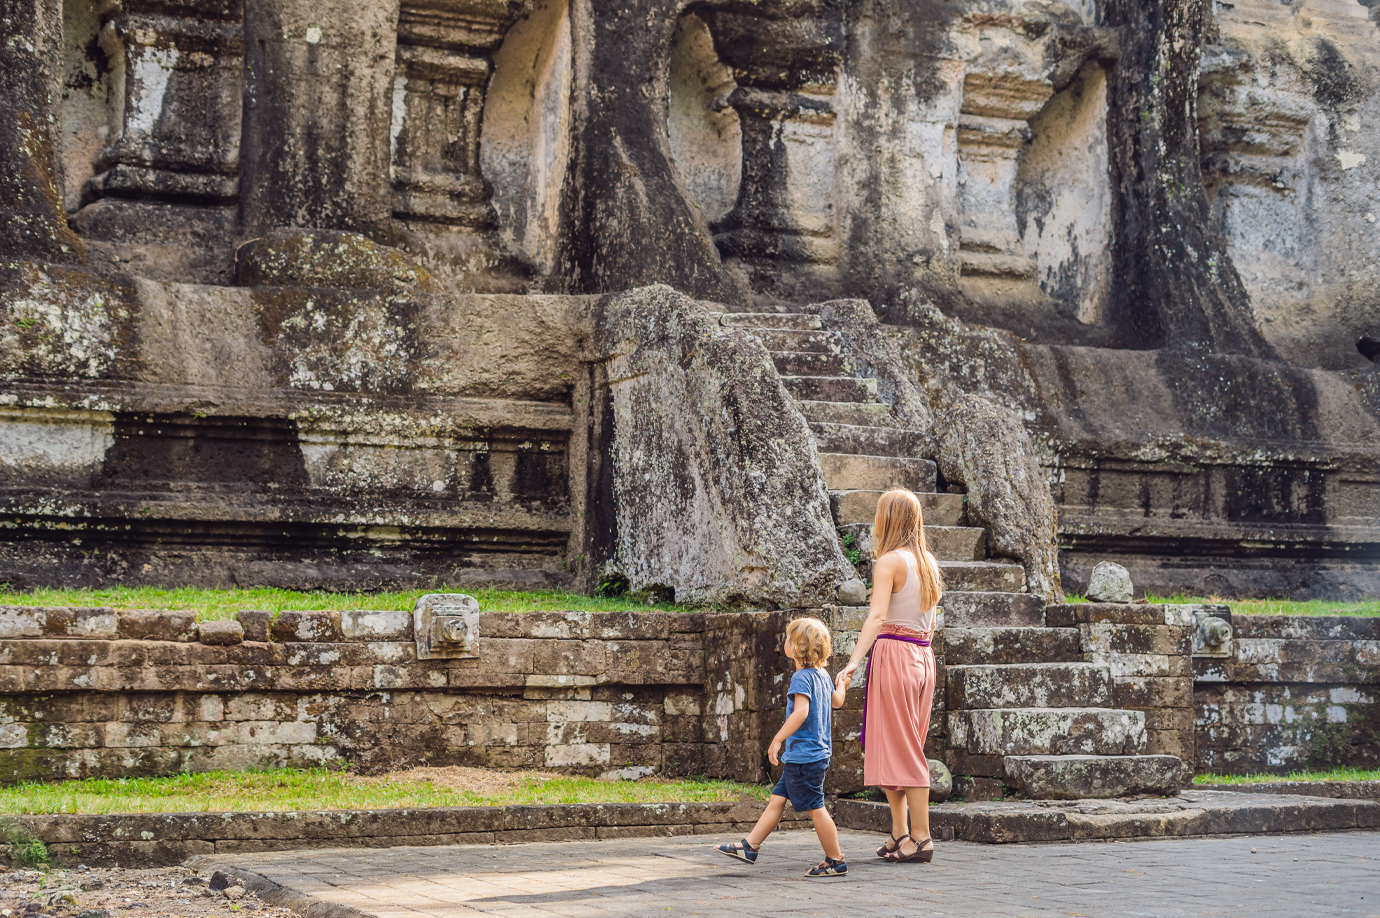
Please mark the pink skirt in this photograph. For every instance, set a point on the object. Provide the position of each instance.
(900, 693)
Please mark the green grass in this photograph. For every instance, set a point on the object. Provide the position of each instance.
(223, 604)
(1333, 774)
(293, 789)
(1366, 608)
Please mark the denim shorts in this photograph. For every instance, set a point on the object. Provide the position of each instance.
(802, 783)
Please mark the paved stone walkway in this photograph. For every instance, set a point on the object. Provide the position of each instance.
(1290, 877)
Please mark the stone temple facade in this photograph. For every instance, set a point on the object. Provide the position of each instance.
(326, 294)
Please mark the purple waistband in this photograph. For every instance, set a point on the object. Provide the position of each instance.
(867, 675)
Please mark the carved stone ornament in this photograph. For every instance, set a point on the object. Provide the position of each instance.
(1212, 631)
(446, 626)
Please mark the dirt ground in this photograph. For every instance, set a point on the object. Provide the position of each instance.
(164, 892)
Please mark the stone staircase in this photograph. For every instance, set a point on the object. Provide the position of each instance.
(1024, 711)
(864, 453)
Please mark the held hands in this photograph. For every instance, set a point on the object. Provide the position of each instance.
(774, 751)
(845, 676)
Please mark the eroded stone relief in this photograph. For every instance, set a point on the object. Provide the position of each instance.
(320, 215)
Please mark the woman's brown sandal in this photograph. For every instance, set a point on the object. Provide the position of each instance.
(886, 849)
(921, 854)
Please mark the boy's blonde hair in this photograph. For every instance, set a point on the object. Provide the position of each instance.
(900, 523)
(809, 640)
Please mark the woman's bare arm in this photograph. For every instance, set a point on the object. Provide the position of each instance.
(884, 576)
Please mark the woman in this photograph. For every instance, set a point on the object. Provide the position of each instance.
(900, 674)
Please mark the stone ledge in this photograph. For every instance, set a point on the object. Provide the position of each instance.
(1340, 790)
(1192, 813)
(165, 839)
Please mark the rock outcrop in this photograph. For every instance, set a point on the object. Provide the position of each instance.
(715, 488)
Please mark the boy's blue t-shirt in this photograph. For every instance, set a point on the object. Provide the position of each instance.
(811, 742)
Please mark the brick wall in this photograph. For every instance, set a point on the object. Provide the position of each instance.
(1299, 691)
(99, 692)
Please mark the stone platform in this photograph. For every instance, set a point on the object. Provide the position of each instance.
(1191, 813)
(1262, 877)
(164, 839)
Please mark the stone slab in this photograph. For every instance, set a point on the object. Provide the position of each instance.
(964, 609)
(983, 576)
(1066, 615)
(1192, 813)
(860, 507)
(1076, 777)
(1342, 790)
(850, 472)
(1027, 685)
(1040, 731)
(983, 646)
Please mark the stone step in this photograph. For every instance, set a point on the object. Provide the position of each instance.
(754, 320)
(794, 339)
(990, 609)
(809, 363)
(852, 472)
(1027, 685)
(860, 414)
(867, 441)
(1047, 731)
(982, 576)
(860, 507)
(1084, 777)
(948, 543)
(830, 389)
(991, 646)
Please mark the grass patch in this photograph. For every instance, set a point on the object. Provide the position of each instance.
(1367, 608)
(223, 604)
(1332, 774)
(294, 789)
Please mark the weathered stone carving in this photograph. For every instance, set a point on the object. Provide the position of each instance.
(445, 626)
(1166, 200)
(30, 163)
(170, 175)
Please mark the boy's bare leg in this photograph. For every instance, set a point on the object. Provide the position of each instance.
(828, 833)
(770, 819)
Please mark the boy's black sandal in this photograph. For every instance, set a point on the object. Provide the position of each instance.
(829, 868)
(740, 850)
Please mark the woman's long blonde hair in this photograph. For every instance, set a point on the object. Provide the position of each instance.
(900, 523)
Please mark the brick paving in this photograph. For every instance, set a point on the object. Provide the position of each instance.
(1289, 877)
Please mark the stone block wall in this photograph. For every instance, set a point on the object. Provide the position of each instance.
(86, 692)
(1148, 649)
(1300, 691)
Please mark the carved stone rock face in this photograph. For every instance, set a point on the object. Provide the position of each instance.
(357, 236)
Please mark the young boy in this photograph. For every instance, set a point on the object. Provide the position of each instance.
(806, 738)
